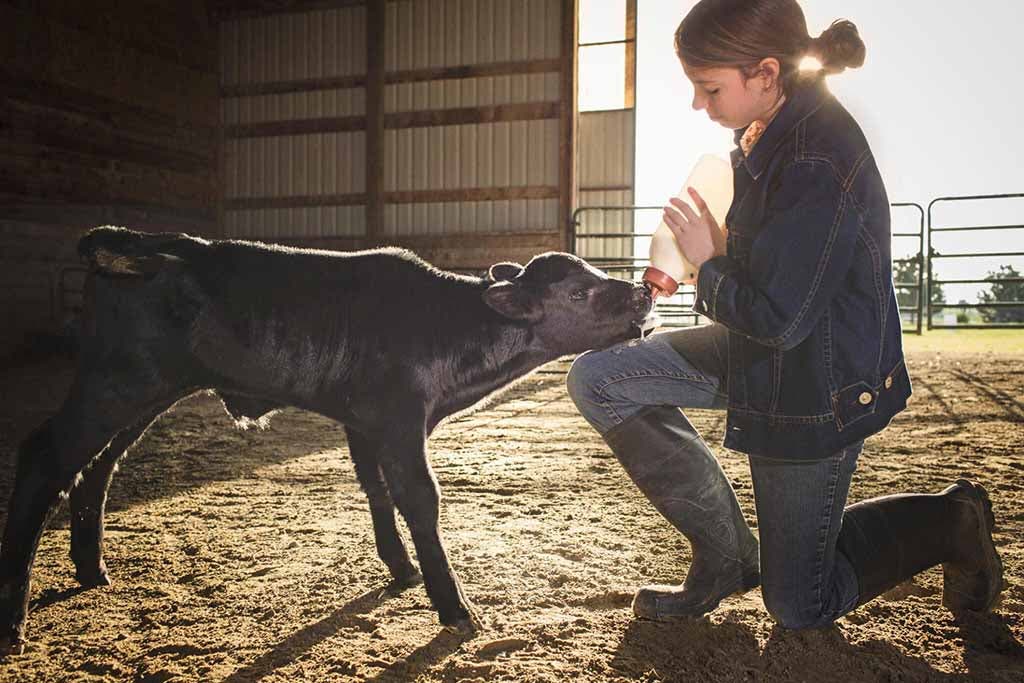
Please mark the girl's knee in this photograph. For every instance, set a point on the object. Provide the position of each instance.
(583, 380)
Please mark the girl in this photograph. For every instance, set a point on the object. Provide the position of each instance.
(805, 351)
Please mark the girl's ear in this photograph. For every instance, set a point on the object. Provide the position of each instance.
(769, 69)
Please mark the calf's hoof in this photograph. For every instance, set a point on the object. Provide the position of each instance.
(464, 625)
(93, 577)
(400, 584)
(11, 646)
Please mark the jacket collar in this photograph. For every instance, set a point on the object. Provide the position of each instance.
(807, 98)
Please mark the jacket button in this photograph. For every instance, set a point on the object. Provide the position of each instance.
(865, 398)
(888, 382)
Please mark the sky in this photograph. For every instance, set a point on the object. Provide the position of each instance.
(940, 98)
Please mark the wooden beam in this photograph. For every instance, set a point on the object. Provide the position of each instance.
(463, 251)
(53, 129)
(394, 77)
(56, 218)
(529, 111)
(57, 178)
(286, 87)
(226, 10)
(630, 46)
(535, 66)
(469, 194)
(246, 203)
(376, 32)
(35, 49)
(179, 32)
(266, 129)
(174, 132)
(568, 121)
(472, 194)
(607, 188)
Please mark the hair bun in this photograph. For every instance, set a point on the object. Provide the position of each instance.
(839, 47)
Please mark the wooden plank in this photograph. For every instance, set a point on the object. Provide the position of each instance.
(138, 121)
(337, 124)
(46, 222)
(469, 194)
(175, 31)
(294, 202)
(286, 87)
(630, 46)
(529, 111)
(536, 66)
(606, 188)
(472, 194)
(226, 10)
(410, 76)
(568, 122)
(40, 50)
(76, 133)
(374, 156)
(60, 179)
(464, 251)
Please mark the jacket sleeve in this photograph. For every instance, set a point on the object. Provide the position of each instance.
(798, 261)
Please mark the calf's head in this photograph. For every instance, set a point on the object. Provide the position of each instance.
(570, 305)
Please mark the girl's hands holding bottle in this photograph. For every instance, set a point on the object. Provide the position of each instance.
(699, 236)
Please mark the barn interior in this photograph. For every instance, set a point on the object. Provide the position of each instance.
(452, 128)
(446, 127)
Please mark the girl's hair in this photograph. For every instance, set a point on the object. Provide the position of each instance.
(740, 33)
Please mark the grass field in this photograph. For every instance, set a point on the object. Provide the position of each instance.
(996, 342)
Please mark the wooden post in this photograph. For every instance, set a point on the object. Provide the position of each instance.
(375, 67)
(567, 129)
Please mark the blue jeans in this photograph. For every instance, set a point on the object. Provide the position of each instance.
(805, 582)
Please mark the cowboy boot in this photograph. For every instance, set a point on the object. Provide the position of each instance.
(890, 539)
(670, 464)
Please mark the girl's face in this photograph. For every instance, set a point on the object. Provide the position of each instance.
(731, 100)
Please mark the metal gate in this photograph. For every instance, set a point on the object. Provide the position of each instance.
(614, 245)
(915, 285)
(997, 312)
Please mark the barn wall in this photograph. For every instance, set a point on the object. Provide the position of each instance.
(108, 114)
(606, 179)
(443, 125)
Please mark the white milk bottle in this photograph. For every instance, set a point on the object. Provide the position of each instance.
(712, 178)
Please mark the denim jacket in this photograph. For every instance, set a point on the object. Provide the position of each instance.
(805, 288)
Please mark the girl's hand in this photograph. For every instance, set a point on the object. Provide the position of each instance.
(699, 236)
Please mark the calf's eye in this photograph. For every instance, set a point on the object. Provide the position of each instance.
(578, 295)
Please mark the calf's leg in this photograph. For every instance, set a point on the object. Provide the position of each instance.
(416, 494)
(382, 509)
(88, 502)
(48, 463)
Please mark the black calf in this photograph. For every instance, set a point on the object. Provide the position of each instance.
(378, 340)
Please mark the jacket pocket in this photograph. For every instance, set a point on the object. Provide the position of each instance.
(854, 402)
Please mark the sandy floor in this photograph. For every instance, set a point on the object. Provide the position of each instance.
(248, 556)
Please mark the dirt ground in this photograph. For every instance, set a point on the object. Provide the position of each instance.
(249, 556)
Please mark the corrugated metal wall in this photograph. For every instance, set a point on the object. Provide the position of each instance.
(497, 173)
(606, 152)
(294, 47)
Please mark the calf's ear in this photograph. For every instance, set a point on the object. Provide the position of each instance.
(504, 271)
(512, 301)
